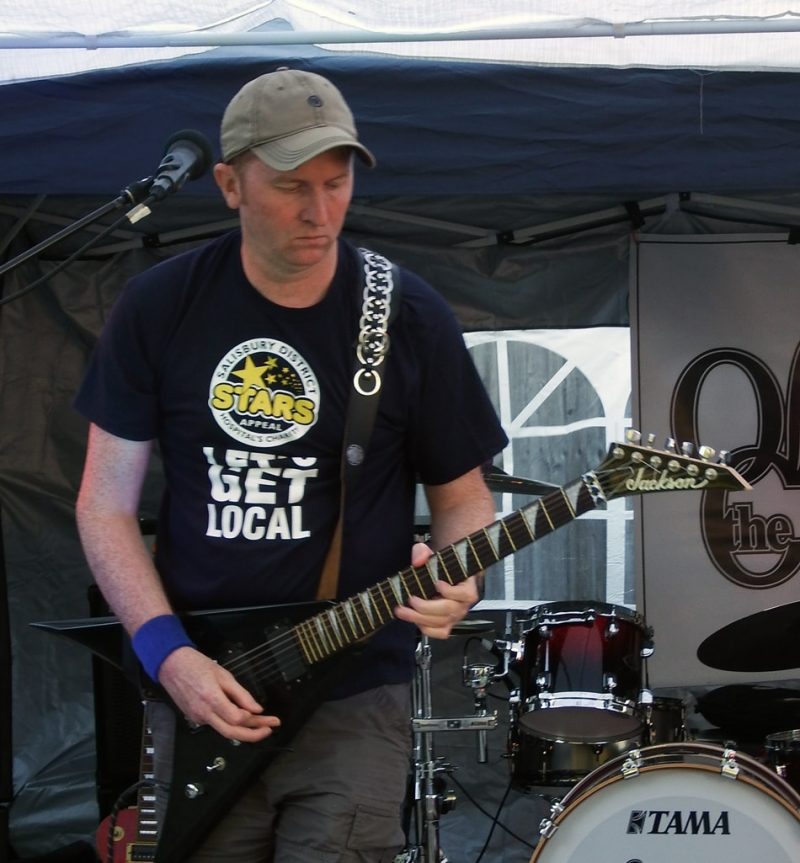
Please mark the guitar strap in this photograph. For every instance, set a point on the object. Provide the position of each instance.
(381, 303)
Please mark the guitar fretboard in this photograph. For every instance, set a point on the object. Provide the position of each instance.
(345, 623)
(147, 823)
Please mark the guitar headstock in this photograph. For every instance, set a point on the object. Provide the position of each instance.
(636, 468)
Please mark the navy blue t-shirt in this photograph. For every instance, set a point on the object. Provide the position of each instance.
(247, 400)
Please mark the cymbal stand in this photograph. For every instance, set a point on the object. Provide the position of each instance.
(432, 798)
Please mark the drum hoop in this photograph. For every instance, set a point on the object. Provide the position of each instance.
(778, 740)
(601, 609)
(787, 796)
(664, 701)
(578, 698)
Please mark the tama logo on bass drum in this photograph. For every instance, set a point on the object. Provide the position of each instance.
(678, 823)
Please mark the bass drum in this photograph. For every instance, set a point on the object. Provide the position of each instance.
(687, 802)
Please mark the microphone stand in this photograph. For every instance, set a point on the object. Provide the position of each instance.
(134, 194)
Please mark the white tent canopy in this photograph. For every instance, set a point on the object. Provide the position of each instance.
(91, 34)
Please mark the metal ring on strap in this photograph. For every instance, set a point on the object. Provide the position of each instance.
(373, 337)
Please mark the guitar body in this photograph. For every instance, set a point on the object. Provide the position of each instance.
(210, 772)
(124, 835)
(289, 656)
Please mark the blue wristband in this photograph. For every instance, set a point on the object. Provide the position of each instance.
(154, 640)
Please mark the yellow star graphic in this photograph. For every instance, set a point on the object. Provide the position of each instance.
(251, 374)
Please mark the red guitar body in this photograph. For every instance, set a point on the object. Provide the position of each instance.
(124, 835)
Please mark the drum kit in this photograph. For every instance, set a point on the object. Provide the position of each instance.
(627, 779)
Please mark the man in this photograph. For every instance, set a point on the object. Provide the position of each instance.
(238, 359)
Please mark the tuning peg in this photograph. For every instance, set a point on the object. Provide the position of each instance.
(651, 439)
(706, 453)
(723, 457)
(633, 436)
(687, 448)
(670, 445)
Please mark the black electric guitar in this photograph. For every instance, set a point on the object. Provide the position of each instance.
(284, 654)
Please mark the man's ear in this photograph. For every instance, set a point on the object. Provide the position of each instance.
(228, 181)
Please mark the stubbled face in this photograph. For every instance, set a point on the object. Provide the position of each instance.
(290, 220)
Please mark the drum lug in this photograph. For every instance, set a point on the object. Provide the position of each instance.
(646, 698)
(648, 647)
(630, 767)
(543, 681)
(548, 826)
(729, 766)
(609, 682)
(612, 629)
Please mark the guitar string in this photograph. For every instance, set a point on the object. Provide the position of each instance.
(287, 643)
(448, 560)
(450, 552)
(260, 661)
(556, 507)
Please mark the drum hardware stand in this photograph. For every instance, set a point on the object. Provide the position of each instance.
(478, 678)
(432, 798)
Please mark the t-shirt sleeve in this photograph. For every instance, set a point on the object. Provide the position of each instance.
(119, 390)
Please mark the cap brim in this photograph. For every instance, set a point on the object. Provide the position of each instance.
(288, 153)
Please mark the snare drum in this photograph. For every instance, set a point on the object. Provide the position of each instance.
(691, 802)
(581, 673)
(536, 762)
(783, 751)
(664, 721)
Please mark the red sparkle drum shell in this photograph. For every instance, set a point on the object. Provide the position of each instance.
(687, 802)
(581, 673)
(783, 752)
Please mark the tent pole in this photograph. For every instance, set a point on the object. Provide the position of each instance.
(545, 30)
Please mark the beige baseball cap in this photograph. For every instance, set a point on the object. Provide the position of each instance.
(286, 118)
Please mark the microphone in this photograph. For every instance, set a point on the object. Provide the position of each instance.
(187, 156)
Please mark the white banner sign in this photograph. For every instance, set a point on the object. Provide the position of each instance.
(716, 326)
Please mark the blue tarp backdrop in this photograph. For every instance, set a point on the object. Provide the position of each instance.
(439, 129)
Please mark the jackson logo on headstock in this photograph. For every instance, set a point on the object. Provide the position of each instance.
(643, 480)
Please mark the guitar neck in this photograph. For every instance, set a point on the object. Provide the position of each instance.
(147, 823)
(341, 626)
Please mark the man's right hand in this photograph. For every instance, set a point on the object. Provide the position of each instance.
(208, 694)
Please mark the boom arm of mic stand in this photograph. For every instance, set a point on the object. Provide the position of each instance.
(130, 195)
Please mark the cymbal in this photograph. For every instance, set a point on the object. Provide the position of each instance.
(472, 626)
(768, 640)
(499, 480)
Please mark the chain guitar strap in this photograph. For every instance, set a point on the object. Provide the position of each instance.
(380, 304)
